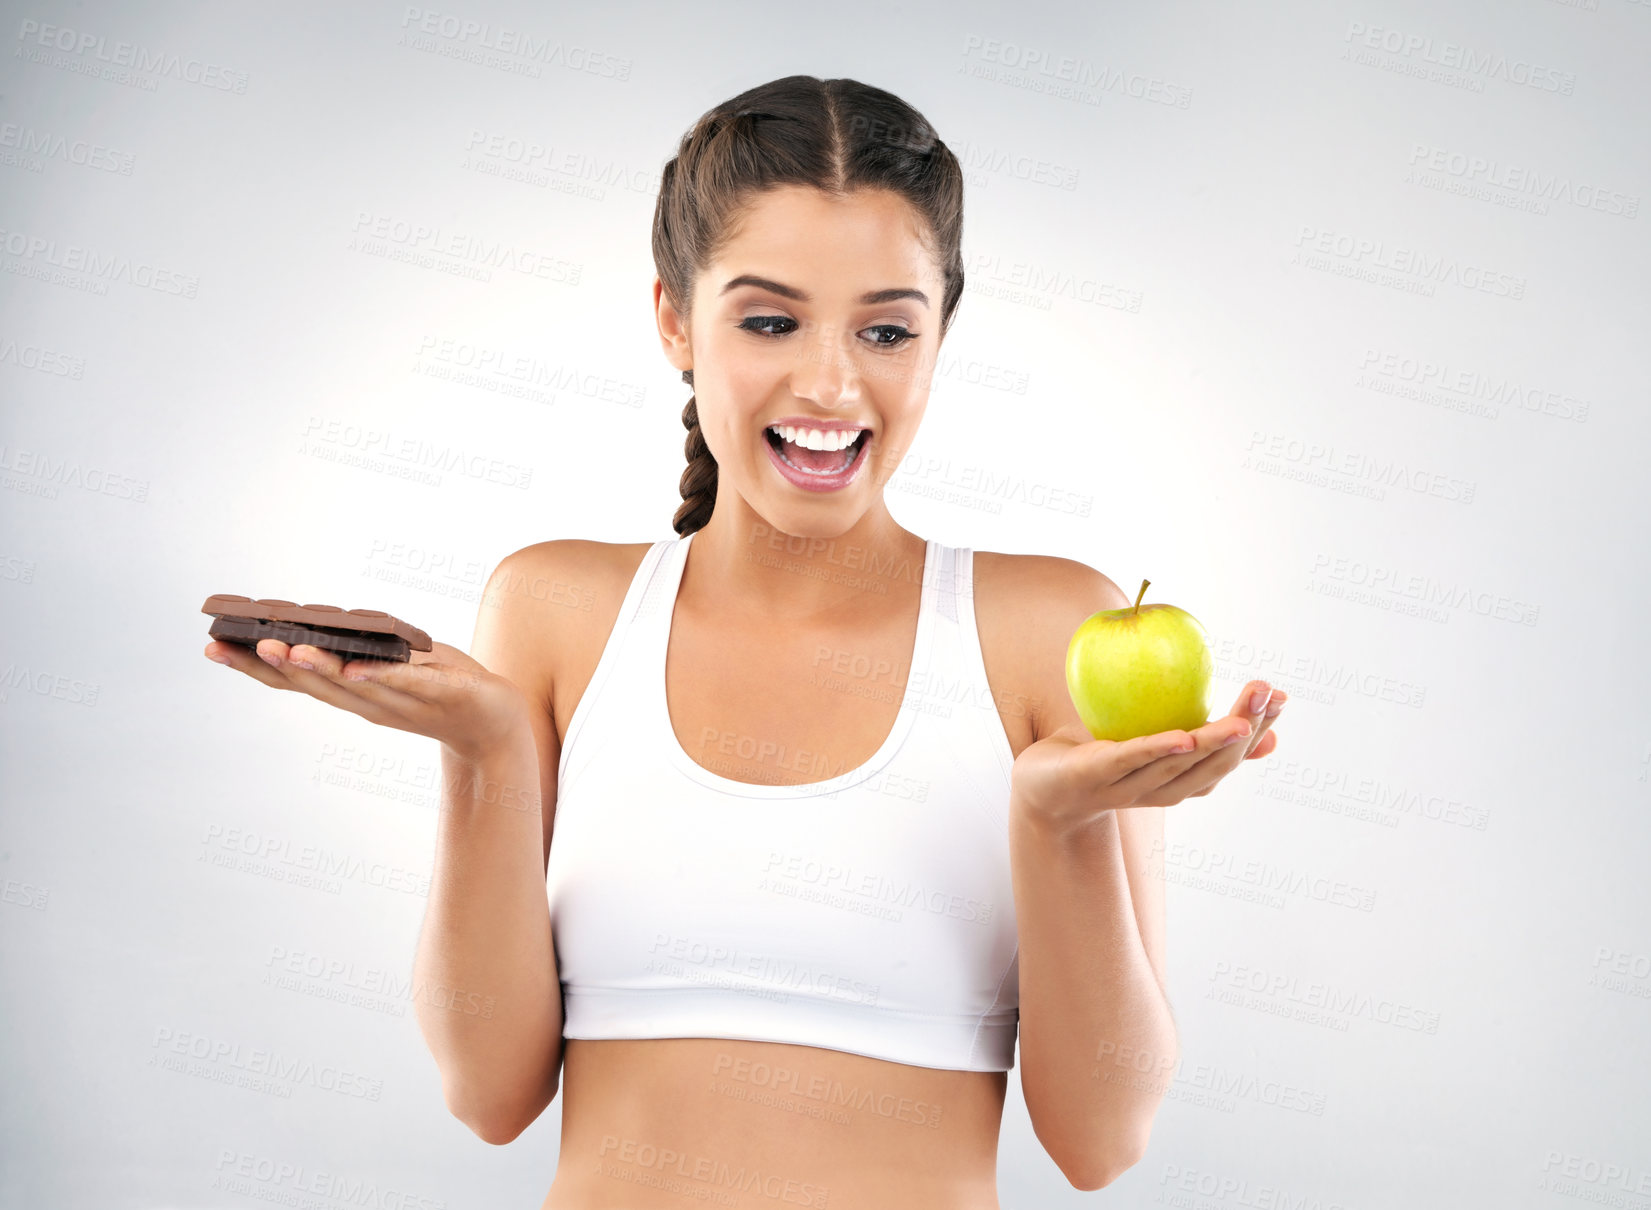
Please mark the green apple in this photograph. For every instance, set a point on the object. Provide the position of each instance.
(1140, 670)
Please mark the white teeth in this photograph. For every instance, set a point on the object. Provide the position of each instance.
(816, 439)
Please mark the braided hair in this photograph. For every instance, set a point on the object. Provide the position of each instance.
(699, 481)
(836, 135)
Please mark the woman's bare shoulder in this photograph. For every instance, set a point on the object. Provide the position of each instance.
(557, 601)
(574, 556)
(1032, 587)
(1026, 608)
(573, 580)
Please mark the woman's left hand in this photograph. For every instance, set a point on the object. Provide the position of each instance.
(1069, 778)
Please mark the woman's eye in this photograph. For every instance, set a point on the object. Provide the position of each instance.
(900, 335)
(759, 323)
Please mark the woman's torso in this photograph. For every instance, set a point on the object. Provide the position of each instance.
(648, 1121)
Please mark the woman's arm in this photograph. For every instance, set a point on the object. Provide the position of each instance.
(1097, 1034)
(1097, 1037)
(488, 994)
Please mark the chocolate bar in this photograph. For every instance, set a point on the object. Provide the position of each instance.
(352, 633)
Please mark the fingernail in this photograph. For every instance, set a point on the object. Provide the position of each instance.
(302, 664)
(1274, 706)
(218, 659)
(274, 661)
(1231, 740)
(1258, 699)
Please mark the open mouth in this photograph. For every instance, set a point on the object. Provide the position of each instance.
(816, 462)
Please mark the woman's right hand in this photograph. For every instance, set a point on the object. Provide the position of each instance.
(441, 693)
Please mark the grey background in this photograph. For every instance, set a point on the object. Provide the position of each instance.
(1198, 346)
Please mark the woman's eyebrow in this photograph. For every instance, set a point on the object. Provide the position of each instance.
(871, 298)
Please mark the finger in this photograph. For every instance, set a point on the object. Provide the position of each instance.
(1222, 736)
(244, 660)
(1196, 781)
(305, 668)
(372, 679)
(1252, 706)
(1200, 778)
(1275, 707)
(1252, 703)
(424, 679)
(1264, 747)
(1222, 747)
(1262, 743)
(1117, 761)
(354, 685)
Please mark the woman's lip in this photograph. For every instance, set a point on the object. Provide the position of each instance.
(835, 481)
(825, 426)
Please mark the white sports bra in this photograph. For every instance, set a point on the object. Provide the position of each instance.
(870, 911)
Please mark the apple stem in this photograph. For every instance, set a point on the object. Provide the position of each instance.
(1141, 594)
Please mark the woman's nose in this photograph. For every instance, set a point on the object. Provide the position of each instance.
(824, 370)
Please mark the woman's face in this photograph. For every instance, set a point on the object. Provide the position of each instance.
(819, 309)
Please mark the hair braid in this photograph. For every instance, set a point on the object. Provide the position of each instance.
(699, 481)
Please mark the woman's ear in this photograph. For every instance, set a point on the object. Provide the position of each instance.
(673, 331)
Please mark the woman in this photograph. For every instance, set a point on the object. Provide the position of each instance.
(828, 825)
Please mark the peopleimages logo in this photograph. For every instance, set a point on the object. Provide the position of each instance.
(219, 1058)
(975, 157)
(1418, 377)
(46, 145)
(35, 38)
(1456, 57)
(1423, 267)
(477, 365)
(42, 360)
(477, 39)
(1093, 79)
(38, 256)
(1518, 179)
(478, 252)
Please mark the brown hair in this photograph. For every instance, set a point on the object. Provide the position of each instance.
(836, 135)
